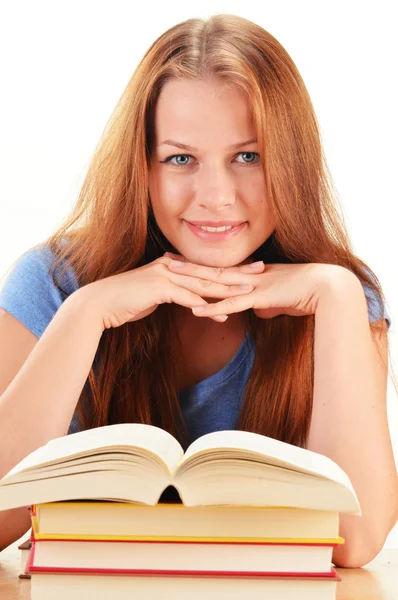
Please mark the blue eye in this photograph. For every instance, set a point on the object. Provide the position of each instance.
(254, 155)
(170, 158)
(255, 160)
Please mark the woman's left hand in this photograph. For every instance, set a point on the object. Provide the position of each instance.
(288, 289)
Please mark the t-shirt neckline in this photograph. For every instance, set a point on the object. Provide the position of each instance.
(227, 371)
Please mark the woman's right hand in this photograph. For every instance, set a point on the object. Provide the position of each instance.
(137, 293)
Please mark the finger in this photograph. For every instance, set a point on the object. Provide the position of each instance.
(225, 276)
(205, 288)
(209, 289)
(175, 256)
(184, 297)
(254, 267)
(231, 305)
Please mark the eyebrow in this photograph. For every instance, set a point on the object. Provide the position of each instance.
(186, 147)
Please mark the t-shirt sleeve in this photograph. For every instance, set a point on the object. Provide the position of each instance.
(29, 293)
(374, 311)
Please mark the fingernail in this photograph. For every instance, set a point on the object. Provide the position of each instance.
(221, 318)
(176, 263)
(257, 264)
(245, 286)
(199, 309)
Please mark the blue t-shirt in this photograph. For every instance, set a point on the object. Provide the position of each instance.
(29, 294)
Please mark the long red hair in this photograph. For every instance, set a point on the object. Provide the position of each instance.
(112, 230)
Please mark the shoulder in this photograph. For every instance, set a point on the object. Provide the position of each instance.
(28, 290)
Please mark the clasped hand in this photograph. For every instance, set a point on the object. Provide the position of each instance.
(273, 289)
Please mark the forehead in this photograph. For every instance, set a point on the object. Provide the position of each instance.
(198, 109)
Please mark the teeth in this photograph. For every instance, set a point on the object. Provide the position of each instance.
(214, 229)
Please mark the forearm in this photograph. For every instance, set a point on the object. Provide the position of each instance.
(39, 403)
(349, 418)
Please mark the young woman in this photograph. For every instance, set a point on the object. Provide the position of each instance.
(266, 322)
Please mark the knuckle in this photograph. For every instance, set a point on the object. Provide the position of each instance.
(161, 269)
(231, 301)
(162, 261)
(204, 283)
(219, 271)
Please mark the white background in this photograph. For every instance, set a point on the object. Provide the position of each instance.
(65, 65)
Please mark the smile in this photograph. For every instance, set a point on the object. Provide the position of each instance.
(224, 228)
(215, 234)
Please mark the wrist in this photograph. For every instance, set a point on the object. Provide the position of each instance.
(82, 303)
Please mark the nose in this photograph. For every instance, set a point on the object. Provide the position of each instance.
(216, 188)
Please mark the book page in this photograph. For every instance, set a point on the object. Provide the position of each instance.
(129, 435)
(274, 452)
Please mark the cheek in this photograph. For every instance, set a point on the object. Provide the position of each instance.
(173, 197)
(259, 210)
(257, 201)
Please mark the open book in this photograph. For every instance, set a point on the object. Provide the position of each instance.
(132, 462)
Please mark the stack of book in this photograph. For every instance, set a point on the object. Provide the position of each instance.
(255, 517)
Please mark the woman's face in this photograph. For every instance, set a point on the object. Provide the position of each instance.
(208, 183)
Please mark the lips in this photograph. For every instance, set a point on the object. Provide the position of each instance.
(216, 236)
(216, 223)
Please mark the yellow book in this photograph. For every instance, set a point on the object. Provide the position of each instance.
(165, 522)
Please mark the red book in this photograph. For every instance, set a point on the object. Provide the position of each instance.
(258, 559)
